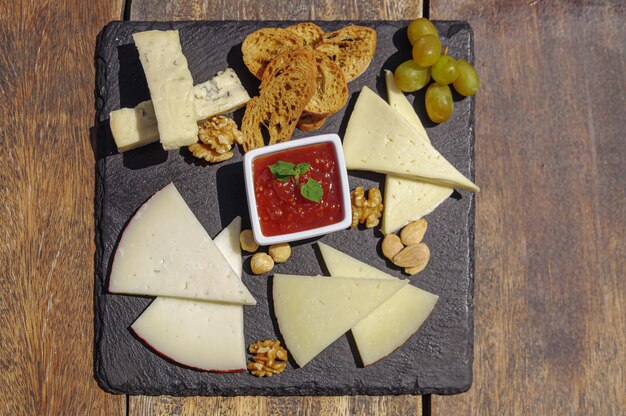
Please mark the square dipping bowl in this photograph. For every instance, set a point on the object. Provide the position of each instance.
(335, 203)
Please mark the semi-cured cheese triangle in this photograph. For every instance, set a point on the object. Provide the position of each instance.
(408, 200)
(312, 312)
(390, 325)
(165, 251)
(204, 335)
(379, 139)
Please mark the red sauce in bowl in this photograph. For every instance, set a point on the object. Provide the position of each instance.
(280, 206)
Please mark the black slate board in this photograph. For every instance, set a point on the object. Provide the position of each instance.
(438, 359)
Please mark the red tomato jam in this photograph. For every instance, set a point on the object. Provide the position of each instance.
(281, 207)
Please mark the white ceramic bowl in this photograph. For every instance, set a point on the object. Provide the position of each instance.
(300, 235)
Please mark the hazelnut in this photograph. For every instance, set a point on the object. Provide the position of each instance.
(261, 263)
(280, 252)
(247, 242)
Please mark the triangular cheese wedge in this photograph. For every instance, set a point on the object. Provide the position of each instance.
(390, 325)
(312, 312)
(408, 200)
(379, 139)
(165, 251)
(204, 335)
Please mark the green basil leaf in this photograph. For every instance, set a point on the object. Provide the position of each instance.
(282, 171)
(312, 190)
(300, 169)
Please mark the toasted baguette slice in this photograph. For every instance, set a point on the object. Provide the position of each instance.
(351, 47)
(310, 123)
(258, 48)
(282, 99)
(309, 32)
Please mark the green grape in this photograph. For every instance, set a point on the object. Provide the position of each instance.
(439, 102)
(467, 81)
(427, 50)
(411, 77)
(444, 70)
(420, 27)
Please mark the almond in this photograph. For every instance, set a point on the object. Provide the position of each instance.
(414, 232)
(413, 256)
(391, 246)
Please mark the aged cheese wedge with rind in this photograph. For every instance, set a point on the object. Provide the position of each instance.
(171, 86)
(134, 127)
(390, 325)
(379, 139)
(204, 335)
(165, 251)
(408, 200)
(312, 312)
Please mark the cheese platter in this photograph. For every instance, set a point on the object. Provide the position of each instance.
(159, 208)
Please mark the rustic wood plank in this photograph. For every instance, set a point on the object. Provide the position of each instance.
(550, 312)
(266, 10)
(46, 207)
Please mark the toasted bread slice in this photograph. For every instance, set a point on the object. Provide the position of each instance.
(282, 99)
(258, 48)
(309, 32)
(351, 47)
(310, 123)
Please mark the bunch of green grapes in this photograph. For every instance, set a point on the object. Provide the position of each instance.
(427, 63)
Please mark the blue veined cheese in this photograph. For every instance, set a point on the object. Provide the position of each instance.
(171, 86)
(165, 251)
(220, 95)
(408, 200)
(390, 325)
(204, 335)
(379, 139)
(312, 312)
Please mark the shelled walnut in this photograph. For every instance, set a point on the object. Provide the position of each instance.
(217, 136)
(269, 359)
(366, 210)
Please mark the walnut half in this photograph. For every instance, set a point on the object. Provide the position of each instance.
(269, 358)
(368, 210)
(217, 136)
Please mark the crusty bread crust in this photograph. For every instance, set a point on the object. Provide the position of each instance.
(282, 99)
(310, 123)
(258, 48)
(309, 32)
(351, 47)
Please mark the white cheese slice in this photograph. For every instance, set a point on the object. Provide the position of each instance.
(312, 312)
(220, 95)
(408, 200)
(380, 140)
(389, 326)
(134, 127)
(227, 241)
(204, 335)
(165, 251)
(171, 86)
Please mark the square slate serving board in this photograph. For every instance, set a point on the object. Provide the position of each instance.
(438, 359)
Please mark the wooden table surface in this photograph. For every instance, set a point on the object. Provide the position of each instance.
(550, 312)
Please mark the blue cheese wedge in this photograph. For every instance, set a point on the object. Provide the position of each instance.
(171, 86)
(165, 251)
(379, 139)
(204, 335)
(134, 127)
(408, 200)
(312, 312)
(389, 326)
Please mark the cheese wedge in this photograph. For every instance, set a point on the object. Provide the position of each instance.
(165, 251)
(407, 200)
(389, 326)
(227, 241)
(379, 139)
(134, 127)
(171, 86)
(204, 335)
(312, 312)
